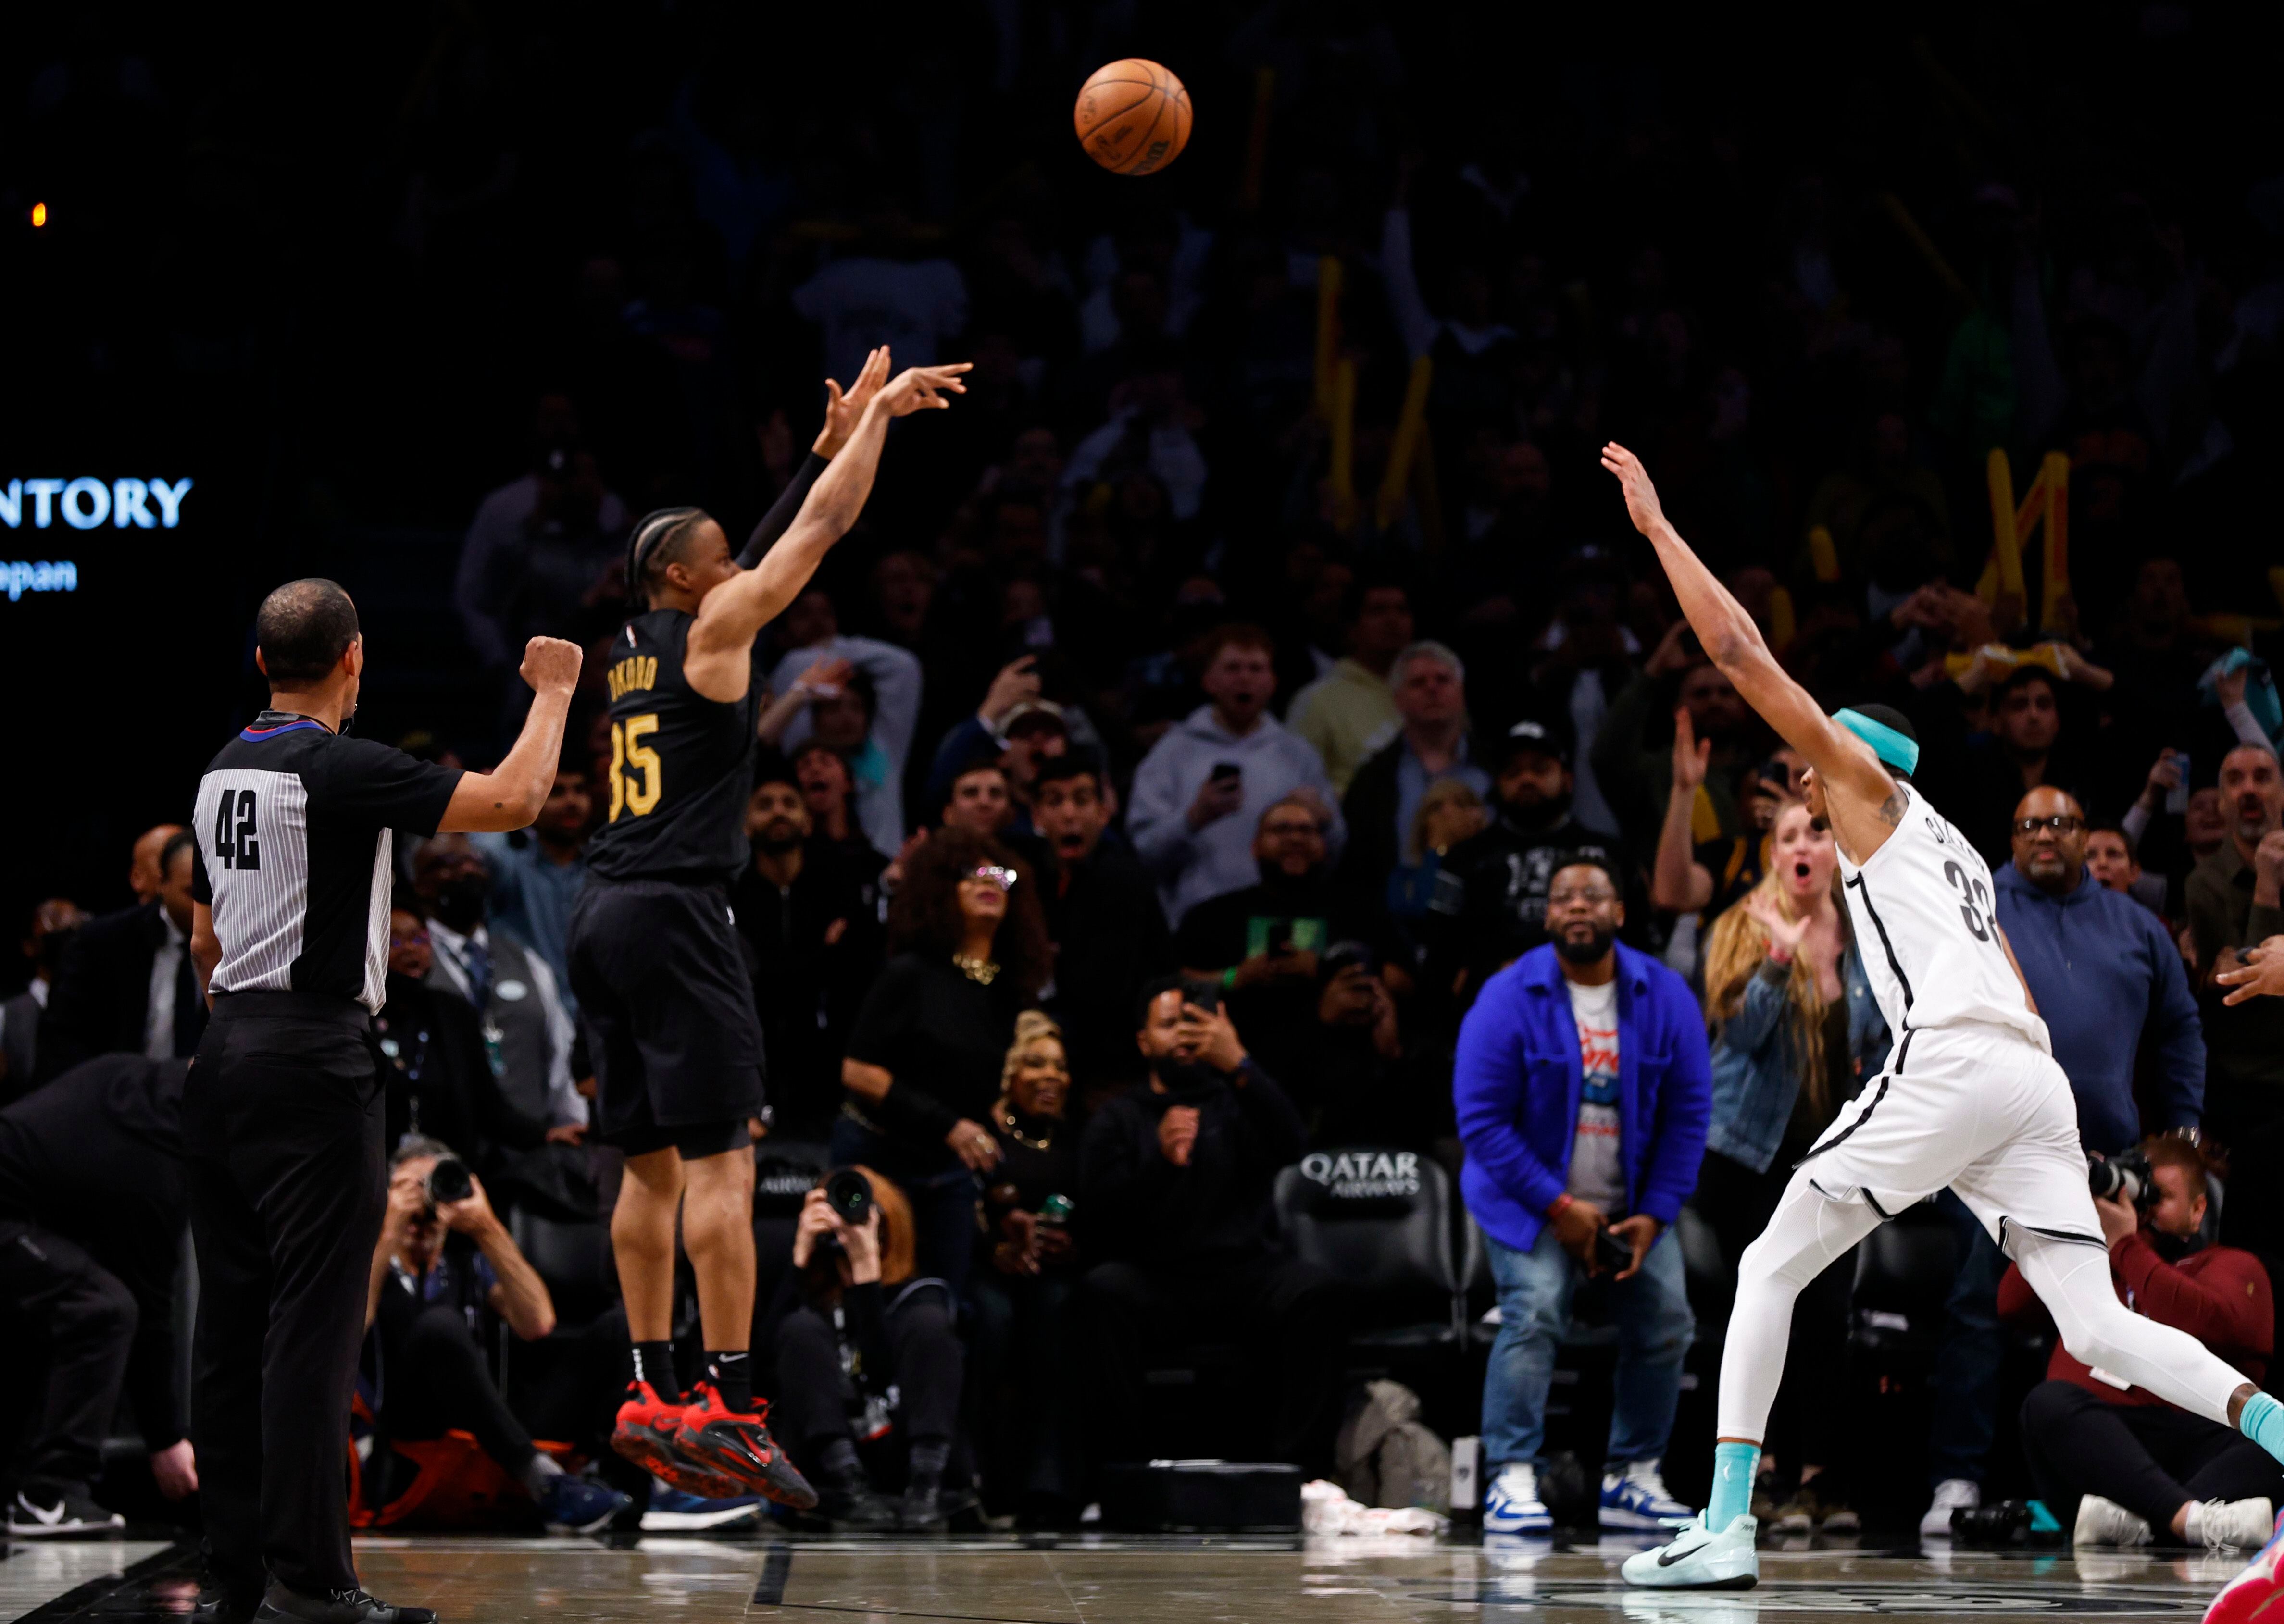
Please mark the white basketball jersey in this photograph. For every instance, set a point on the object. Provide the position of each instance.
(1928, 933)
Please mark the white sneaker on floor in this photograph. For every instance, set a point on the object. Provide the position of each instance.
(1952, 1495)
(1699, 1559)
(1512, 1504)
(2105, 1522)
(1636, 1499)
(2241, 1524)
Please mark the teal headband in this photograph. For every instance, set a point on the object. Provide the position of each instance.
(1891, 746)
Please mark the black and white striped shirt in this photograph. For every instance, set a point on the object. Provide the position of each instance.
(293, 826)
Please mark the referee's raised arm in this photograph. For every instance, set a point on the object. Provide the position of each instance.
(511, 795)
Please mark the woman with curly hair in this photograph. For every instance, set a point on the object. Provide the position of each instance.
(1795, 1032)
(969, 952)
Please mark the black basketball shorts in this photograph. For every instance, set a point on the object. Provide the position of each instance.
(661, 985)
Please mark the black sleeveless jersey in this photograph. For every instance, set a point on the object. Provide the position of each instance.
(682, 765)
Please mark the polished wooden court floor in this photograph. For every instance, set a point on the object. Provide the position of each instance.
(1009, 1579)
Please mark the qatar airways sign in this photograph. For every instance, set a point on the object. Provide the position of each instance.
(87, 504)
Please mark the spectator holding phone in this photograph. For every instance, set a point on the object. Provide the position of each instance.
(1204, 785)
(1024, 1284)
(1174, 1182)
(1583, 1083)
(1261, 944)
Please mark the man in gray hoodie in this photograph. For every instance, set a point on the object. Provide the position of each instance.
(1198, 793)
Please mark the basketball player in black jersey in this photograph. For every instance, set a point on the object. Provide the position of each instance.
(654, 960)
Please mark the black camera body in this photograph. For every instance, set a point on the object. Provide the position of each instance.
(2123, 1177)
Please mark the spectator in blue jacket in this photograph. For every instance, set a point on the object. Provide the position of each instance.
(2103, 972)
(1583, 1085)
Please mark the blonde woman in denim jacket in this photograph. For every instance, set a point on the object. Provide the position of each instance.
(1795, 1032)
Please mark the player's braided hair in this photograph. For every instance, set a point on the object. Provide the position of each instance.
(654, 544)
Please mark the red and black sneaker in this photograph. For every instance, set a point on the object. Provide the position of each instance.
(738, 1444)
(644, 1435)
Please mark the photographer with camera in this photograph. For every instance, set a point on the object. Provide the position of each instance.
(869, 1361)
(1583, 1084)
(2140, 1469)
(444, 1262)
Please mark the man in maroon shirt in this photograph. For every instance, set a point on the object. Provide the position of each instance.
(2135, 1465)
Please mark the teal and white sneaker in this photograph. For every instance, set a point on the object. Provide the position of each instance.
(1701, 1559)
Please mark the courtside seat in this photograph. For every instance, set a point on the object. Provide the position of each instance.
(1380, 1219)
(1903, 1274)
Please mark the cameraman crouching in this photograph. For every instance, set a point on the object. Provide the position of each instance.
(2145, 1469)
(444, 1260)
(868, 1355)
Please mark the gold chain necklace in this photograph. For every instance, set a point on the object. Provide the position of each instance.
(980, 971)
(1045, 1141)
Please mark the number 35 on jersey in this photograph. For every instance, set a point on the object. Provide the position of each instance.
(635, 769)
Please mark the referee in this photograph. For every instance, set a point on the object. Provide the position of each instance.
(282, 1112)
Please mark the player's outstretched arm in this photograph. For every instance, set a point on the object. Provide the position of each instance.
(734, 612)
(1856, 787)
(511, 795)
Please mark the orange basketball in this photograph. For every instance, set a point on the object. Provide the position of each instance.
(1132, 117)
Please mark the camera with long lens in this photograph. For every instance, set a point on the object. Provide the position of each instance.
(2123, 1177)
(449, 1182)
(848, 1194)
(2003, 1523)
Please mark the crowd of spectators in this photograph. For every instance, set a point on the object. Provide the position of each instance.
(1254, 667)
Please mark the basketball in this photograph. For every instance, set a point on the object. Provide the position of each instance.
(1132, 117)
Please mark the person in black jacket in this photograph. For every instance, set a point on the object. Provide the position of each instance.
(1103, 917)
(811, 921)
(1175, 1184)
(53, 924)
(1494, 910)
(92, 1208)
(438, 1077)
(1430, 686)
(106, 997)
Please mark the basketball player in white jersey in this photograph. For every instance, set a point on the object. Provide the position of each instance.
(1970, 1098)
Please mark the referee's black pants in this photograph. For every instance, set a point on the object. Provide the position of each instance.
(282, 1126)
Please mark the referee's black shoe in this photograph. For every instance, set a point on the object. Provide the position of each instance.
(285, 1606)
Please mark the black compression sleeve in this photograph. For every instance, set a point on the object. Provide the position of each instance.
(779, 518)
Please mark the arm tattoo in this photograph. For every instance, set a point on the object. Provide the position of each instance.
(1892, 810)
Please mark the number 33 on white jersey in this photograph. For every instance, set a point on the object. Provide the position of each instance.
(1929, 934)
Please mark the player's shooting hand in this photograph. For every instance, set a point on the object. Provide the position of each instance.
(2258, 972)
(551, 665)
(1690, 754)
(842, 410)
(1633, 479)
(923, 388)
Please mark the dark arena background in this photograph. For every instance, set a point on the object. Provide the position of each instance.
(1950, 337)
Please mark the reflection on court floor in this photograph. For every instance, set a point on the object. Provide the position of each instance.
(1114, 1580)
